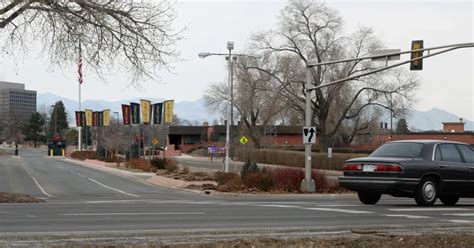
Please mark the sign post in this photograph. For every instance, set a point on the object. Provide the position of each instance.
(308, 184)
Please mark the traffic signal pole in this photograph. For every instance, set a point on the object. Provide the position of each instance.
(307, 185)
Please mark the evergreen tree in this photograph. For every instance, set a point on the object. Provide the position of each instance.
(58, 122)
(402, 126)
(33, 129)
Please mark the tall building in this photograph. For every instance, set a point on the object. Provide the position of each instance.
(16, 103)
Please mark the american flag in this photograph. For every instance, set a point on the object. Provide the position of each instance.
(79, 68)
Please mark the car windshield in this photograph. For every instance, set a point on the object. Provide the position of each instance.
(399, 149)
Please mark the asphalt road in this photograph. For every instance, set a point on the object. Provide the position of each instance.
(84, 201)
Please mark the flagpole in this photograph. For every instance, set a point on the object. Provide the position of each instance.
(80, 83)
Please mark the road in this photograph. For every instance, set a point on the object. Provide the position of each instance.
(88, 202)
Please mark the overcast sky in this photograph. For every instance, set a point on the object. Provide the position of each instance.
(447, 80)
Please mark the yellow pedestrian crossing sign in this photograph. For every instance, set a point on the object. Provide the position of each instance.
(243, 140)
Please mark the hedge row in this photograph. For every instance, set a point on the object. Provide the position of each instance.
(296, 158)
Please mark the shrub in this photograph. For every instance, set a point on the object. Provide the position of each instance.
(170, 165)
(248, 168)
(262, 180)
(296, 158)
(158, 163)
(140, 164)
(224, 177)
(83, 155)
(185, 170)
(287, 179)
(229, 182)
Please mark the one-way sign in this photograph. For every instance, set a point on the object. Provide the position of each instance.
(309, 135)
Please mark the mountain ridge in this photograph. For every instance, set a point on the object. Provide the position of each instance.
(196, 111)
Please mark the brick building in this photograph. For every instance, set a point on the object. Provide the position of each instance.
(186, 138)
(453, 131)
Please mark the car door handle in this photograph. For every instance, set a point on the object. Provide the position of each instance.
(442, 166)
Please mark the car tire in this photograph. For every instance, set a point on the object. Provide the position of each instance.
(369, 198)
(449, 200)
(427, 192)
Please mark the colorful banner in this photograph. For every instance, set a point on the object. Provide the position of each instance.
(146, 111)
(88, 117)
(169, 111)
(126, 114)
(157, 113)
(106, 117)
(95, 119)
(100, 118)
(79, 118)
(135, 112)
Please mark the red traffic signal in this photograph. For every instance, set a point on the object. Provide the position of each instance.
(417, 64)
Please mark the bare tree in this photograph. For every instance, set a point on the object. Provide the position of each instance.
(135, 34)
(257, 97)
(310, 32)
(116, 138)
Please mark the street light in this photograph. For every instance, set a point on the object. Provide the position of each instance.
(231, 58)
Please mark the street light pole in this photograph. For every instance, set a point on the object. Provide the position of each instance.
(308, 184)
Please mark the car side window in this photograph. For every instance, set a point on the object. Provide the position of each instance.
(449, 153)
(467, 153)
(437, 154)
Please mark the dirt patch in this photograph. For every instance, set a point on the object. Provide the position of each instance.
(430, 241)
(5, 153)
(18, 198)
(362, 241)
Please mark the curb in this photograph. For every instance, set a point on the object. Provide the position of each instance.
(171, 183)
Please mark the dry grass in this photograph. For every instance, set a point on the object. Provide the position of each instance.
(17, 198)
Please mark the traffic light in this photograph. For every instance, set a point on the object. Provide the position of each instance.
(416, 65)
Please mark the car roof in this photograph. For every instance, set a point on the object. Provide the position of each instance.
(427, 141)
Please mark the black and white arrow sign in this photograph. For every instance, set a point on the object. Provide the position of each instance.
(309, 135)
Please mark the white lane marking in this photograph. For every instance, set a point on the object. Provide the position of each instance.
(108, 187)
(279, 206)
(463, 214)
(408, 216)
(115, 214)
(427, 209)
(339, 210)
(117, 201)
(348, 211)
(34, 179)
(339, 205)
(461, 221)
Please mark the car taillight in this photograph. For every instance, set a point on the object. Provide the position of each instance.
(388, 168)
(352, 167)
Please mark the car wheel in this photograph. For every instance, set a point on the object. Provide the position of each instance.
(449, 200)
(427, 192)
(369, 198)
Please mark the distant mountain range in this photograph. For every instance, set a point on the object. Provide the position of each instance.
(192, 111)
(196, 111)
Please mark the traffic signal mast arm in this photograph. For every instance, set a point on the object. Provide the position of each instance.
(449, 48)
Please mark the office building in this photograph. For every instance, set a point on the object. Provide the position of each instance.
(16, 103)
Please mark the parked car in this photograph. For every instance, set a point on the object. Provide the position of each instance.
(421, 169)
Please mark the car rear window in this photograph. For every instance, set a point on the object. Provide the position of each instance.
(399, 150)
